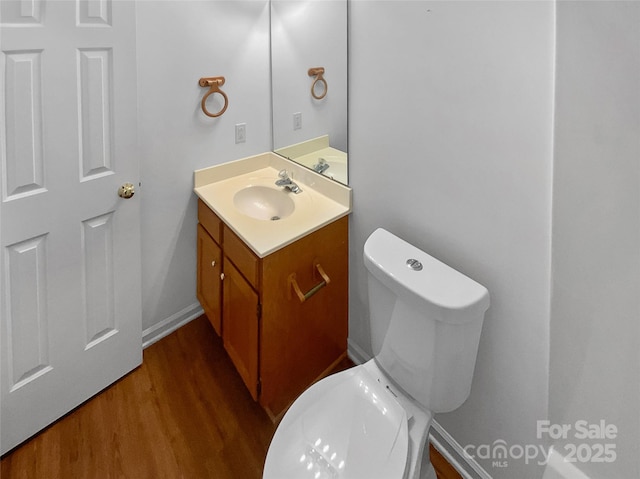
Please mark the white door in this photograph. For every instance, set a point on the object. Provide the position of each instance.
(69, 259)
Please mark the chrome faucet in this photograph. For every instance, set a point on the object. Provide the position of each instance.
(321, 166)
(287, 182)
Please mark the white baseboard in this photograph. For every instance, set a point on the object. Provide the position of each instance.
(169, 325)
(453, 452)
(356, 353)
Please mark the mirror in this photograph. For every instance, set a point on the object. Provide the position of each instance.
(309, 83)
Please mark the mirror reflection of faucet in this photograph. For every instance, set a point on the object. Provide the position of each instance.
(287, 181)
(321, 166)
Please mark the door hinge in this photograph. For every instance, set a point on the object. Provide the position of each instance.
(259, 387)
(259, 310)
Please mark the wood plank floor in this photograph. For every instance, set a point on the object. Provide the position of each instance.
(184, 413)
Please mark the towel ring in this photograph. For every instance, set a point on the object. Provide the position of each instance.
(214, 84)
(317, 73)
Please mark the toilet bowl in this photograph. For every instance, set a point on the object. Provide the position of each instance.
(351, 424)
(372, 421)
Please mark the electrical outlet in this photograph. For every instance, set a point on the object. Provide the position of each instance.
(297, 121)
(241, 132)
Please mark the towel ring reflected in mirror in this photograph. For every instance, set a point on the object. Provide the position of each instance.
(318, 83)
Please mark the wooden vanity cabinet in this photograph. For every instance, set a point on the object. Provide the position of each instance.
(279, 344)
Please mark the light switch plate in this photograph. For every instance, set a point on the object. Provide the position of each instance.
(241, 132)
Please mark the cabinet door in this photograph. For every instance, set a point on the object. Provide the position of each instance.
(209, 286)
(302, 341)
(240, 325)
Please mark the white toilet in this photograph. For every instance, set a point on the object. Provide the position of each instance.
(372, 421)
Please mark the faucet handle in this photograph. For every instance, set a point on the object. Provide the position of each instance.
(284, 174)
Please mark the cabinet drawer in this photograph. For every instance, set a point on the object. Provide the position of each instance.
(210, 221)
(242, 257)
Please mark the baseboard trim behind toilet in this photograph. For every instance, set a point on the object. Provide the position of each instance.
(356, 353)
(453, 452)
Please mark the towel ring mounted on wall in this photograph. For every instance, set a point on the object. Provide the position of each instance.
(317, 73)
(214, 84)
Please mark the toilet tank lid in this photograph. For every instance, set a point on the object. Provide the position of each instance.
(456, 297)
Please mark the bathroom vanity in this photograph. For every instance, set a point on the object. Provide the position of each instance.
(276, 290)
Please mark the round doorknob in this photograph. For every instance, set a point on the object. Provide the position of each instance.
(126, 191)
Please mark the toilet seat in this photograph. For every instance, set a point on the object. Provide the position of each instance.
(347, 426)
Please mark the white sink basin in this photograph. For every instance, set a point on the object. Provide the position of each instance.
(244, 195)
(264, 203)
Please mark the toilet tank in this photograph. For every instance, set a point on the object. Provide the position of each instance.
(425, 320)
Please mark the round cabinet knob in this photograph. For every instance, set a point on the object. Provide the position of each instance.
(126, 191)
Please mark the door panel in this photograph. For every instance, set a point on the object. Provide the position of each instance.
(70, 247)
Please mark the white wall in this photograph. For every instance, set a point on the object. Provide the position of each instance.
(179, 42)
(450, 147)
(595, 328)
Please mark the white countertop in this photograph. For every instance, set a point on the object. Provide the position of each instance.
(321, 201)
